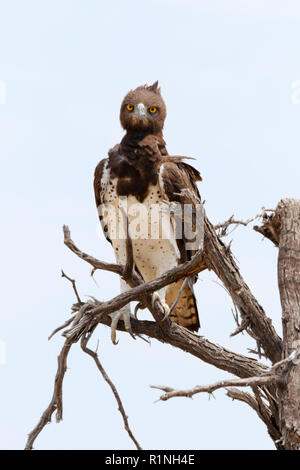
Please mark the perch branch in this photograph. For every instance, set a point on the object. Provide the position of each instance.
(218, 258)
(171, 333)
(215, 256)
(179, 337)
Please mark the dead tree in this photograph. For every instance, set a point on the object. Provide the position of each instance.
(275, 395)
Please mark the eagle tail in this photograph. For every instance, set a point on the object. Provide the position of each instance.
(185, 312)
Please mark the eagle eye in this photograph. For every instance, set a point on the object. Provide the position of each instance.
(153, 109)
(130, 107)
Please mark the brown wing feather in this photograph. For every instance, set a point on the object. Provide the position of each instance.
(179, 181)
(98, 179)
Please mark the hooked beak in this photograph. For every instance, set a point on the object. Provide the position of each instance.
(141, 112)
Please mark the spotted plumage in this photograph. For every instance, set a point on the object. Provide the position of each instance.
(140, 173)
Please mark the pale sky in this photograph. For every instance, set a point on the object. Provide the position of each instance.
(228, 73)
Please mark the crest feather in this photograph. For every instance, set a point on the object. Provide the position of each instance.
(154, 87)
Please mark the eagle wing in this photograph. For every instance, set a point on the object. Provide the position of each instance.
(178, 183)
(101, 182)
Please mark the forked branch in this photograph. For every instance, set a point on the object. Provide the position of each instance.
(215, 256)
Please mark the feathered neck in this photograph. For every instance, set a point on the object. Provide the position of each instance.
(137, 135)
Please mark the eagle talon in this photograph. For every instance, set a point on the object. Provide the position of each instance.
(123, 314)
(163, 304)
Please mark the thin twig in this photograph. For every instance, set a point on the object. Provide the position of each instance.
(116, 268)
(73, 284)
(56, 403)
(62, 327)
(245, 397)
(250, 381)
(231, 221)
(268, 377)
(94, 355)
(258, 353)
(243, 326)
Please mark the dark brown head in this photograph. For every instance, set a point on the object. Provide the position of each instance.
(143, 109)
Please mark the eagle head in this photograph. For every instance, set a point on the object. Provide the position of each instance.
(143, 109)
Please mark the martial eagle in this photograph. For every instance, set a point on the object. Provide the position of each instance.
(140, 172)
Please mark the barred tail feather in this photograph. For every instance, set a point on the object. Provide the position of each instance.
(185, 312)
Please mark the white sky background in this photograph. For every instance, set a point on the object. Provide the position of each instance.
(226, 70)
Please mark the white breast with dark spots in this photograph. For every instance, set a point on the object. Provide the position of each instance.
(154, 246)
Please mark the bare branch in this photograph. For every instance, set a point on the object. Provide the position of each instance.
(249, 381)
(178, 337)
(219, 258)
(94, 355)
(56, 403)
(276, 375)
(215, 256)
(258, 353)
(73, 284)
(170, 332)
(243, 326)
(270, 228)
(247, 398)
(89, 259)
(222, 227)
(194, 266)
(62, 327)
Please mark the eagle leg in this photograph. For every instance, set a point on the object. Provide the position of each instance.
(124, 314)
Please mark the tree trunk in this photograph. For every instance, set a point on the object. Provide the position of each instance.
(289, 287)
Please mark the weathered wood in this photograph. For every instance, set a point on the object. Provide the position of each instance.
(289, 287)
(277, 402)
(181, 338)
(270, 227)
(219, 258)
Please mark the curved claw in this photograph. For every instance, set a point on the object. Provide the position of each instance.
(138, 307)
(163, 304)
(123, 314)
(115, 316)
